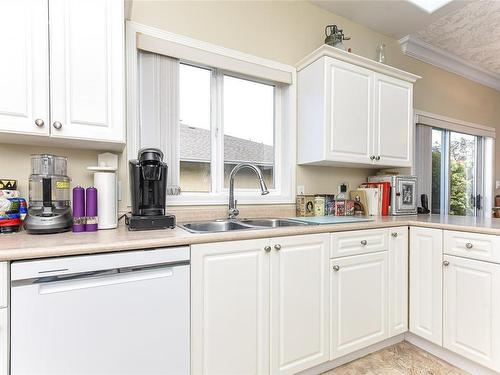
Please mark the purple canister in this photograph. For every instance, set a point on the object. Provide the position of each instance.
(78, 209)
(91, 209)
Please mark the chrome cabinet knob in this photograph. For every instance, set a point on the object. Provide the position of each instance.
(39, 122)
(277, 247)
(364, 242)
(446, 263)
(377, 157)
(336, 268)
(394, 234)
(372, 157)
(469, 246)
(267, 249)
(57, 125)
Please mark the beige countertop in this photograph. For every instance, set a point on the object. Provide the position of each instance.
(25, 246)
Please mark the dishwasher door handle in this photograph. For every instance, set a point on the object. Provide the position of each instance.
(85, 282)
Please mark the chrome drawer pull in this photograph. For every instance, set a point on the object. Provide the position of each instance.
(394, 234)
(364, 242)
(336, 268)
(446, 263)
(468, 245)
(267, 249)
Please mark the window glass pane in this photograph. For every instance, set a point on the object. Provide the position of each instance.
(437, 162)
(195, 136)
(248, 116)
(462, 174)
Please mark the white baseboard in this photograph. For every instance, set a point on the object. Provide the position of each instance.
(352, 356)
(448, 356)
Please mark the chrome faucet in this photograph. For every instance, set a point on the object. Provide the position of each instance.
(233, 209)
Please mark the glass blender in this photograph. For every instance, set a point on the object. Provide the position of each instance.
(49, 209)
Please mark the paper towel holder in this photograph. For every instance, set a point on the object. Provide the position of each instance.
(105, 181)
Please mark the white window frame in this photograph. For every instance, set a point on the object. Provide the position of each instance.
(487, 156)
(285, 122)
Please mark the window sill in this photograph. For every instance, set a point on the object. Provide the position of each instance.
(223, 198)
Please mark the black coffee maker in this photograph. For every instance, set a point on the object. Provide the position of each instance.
(148, 188)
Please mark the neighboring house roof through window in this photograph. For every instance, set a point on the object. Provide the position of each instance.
(195, 147)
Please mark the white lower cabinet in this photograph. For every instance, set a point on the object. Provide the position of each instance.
(398, 281)
(359, 302)
(426, 293)
(249, 296)
(472, 310)
(4, 341)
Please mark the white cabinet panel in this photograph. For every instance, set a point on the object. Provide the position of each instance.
(359, 302)
(350, 108)
(4, 341)
(359, 242)
(87, 73)
(393, 121)
(472, 245)
(4, 284)
(398, 280)
(230, 308)
(299, 303)
(472, 310)
(351, 114)
(24, 73)
(426, 284)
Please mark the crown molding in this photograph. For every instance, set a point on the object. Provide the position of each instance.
(418, 49)
(338, 54)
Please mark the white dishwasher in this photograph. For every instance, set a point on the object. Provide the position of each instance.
(112, 314)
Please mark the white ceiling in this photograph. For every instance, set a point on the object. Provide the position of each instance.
(471, 33)
(395, 18)
(463, 36)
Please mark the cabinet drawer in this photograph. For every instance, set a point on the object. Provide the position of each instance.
(359, 242)
(472, 245)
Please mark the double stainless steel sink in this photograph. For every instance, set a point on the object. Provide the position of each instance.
(227, 225)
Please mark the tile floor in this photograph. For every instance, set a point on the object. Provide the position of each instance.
(400, 359)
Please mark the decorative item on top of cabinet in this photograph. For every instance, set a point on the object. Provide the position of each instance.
(361, 111)
(86, 90)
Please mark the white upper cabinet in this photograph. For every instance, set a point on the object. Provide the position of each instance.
(86, 65)
(24, 71)
(393, 121)
(353, 111)
(350, 88)
(84, 42)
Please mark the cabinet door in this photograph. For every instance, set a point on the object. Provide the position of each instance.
(349, 135)
(230, 308)
(87, 69)
(393, 111)
(299, 303)
(426, 284)
(4, 341)
(24, 73)
(472, 310)
(398, 280)
(359, 301)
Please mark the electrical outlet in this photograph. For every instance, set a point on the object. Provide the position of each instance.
(301, 189)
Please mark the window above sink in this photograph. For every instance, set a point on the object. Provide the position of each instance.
(209, 109)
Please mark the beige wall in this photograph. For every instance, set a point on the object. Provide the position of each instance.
(286, 32)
